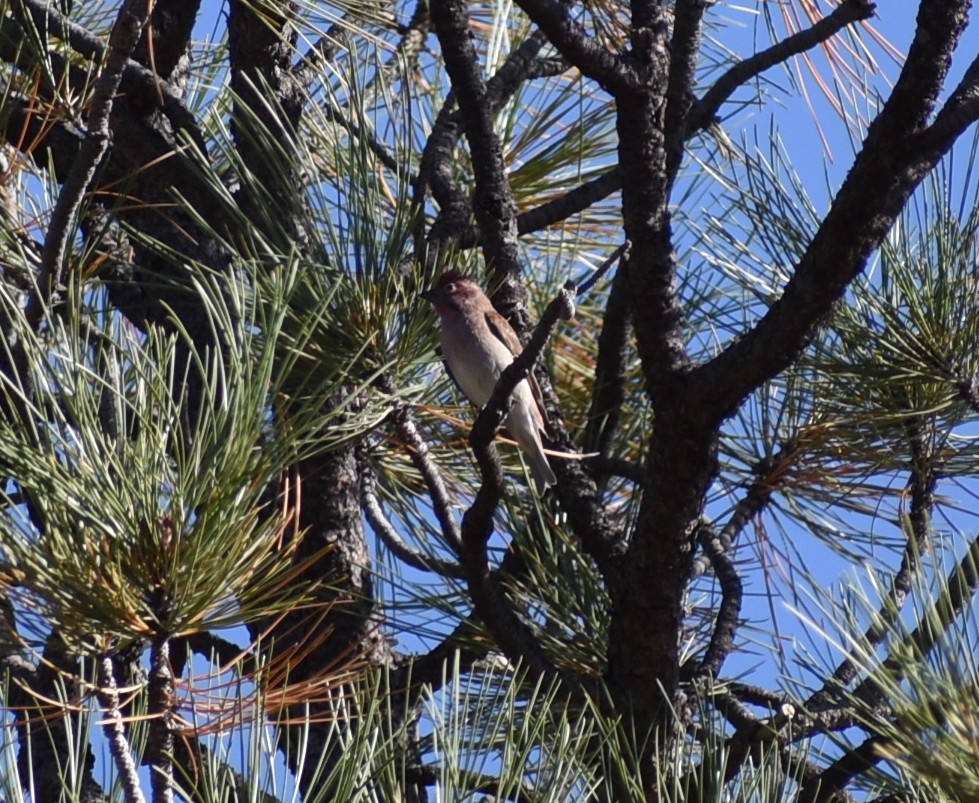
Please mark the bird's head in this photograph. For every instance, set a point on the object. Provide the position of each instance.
(453, 291)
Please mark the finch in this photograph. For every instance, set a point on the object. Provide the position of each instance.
(477, 344)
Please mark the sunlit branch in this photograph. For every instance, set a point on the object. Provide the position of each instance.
(160, 741)
(421, 456)
(389, 535)
(116, 733)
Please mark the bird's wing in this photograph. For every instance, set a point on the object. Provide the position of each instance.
(503, 332)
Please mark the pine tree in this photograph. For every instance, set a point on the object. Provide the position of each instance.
(255, 545)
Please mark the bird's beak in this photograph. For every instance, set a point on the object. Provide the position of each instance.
(430, 294)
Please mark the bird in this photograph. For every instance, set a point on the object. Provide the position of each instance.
(477, 344)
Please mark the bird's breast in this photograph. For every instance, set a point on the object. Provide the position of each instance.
(475, 358)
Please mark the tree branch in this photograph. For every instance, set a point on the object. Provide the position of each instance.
(477, 523)
(385, 531)
(572, 41)
(493, 203)
(122, 41)
(959, 588)
(704, 110)
(608, 395)
(726, 622)
(826, 785)
(45, 17)
(884, 174)
(421, 456)
(688, 16)
(116, 733)
(160, 742)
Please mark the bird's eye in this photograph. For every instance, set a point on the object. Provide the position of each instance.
(450, 288)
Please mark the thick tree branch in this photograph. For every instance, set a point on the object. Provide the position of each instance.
(493, 203)
(688, 16)
(269, 101)
(573, 42)
(889, 167)
(166, 39)
(135, 75)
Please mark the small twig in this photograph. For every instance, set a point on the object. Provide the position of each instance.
(116, 734)
(588, 281)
